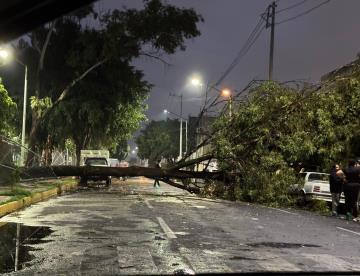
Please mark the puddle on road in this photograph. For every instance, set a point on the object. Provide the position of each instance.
(281, 245)
(15, 244)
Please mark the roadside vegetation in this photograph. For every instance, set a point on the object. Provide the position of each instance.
(277, 126)
(16, 191)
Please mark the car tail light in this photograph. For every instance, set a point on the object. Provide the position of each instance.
(316, 189)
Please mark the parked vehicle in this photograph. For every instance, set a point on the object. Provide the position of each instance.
(85, 154)
(123, 164)
(314, 185)
(96, 162)
(114, 162)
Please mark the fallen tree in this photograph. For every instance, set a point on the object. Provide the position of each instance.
(117, 172)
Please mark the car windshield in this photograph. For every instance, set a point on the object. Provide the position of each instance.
(318, 177)
(96, 162)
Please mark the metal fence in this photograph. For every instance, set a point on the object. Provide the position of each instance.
(10, 169)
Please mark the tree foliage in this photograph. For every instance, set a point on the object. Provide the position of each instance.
(7, 112)
(159, 139)
(278, 126)
(86, 71)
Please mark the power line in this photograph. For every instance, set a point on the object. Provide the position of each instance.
(244, 49)
(292, 6)
(303, 13)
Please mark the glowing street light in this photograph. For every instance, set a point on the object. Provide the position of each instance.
(4, 55)
(226, 93)
(196, 82)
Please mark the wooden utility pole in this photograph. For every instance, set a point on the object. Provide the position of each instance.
(271, 14)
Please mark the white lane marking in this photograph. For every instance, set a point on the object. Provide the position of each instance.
(148, 204)
(169, 233)
(281, 210)
(272, 262)
(344, 229)
(330, 263)
(199, 206)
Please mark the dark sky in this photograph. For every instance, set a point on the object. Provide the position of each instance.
(305, 48)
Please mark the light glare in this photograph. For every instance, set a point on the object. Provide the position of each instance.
(195, 82)
(226, 93)
(4, 54)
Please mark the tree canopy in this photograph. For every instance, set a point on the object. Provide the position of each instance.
(81, 79)
(7, 112)
(159, 139)
(278, 126)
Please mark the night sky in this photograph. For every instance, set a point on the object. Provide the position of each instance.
(305, 48)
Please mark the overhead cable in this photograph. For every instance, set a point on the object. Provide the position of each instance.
(292, 6)
(303, 13)
(244, 49)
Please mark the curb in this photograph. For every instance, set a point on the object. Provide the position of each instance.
(13, 206)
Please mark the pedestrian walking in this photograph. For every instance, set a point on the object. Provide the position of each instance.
(352, 189)
(337, 179)
(157, 182)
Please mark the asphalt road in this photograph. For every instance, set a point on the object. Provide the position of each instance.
(133, 228)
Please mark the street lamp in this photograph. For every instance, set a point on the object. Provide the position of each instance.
(5, 56)
(186, 131)
(227, 94)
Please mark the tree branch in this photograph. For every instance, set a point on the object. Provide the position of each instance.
(75, 81)
(155, 57)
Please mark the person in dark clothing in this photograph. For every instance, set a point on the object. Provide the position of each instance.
(337, 178)
(157, 182)
(351, 189)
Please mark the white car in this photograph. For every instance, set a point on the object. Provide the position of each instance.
(316, 186)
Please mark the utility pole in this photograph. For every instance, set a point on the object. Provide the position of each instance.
(271, 14)
(181, 123)
(181, 128)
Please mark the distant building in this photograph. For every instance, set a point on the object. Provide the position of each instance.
(199, 131)
(345, 71)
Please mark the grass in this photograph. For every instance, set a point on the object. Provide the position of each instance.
(16, 191)
(22, 190)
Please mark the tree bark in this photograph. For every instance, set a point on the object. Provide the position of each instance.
(116, 171)
(190, 189)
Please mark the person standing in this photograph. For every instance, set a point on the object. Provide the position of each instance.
(157, 182)
(337, 178)
(351, 189)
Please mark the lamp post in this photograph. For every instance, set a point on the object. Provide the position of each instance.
(5, 55)
(227, 93)
(181, 122)
(186, 131)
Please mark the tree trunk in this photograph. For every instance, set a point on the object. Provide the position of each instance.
(77, 152)
(118, 172)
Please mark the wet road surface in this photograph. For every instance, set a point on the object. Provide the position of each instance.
(133, 228)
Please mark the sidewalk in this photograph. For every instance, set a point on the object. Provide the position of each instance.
(13, 198)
